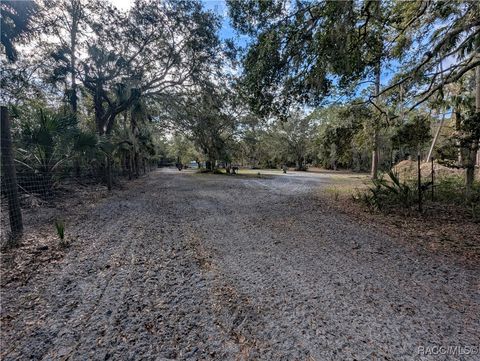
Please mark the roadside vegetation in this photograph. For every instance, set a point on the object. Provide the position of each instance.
(95, 93)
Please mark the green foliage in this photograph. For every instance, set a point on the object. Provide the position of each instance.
(47, 139)
(119, 84)
(293, 140)
(387, 193)
(269, 145)
(258, 148)
(299, 49)
(206, 120)
(451, 189)
(151, 62)
(60, 228)
(413, 135)
(182, 149)
(390, 194)
(16, 23)
(342, 140)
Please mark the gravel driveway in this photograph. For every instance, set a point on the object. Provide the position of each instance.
(197, 267)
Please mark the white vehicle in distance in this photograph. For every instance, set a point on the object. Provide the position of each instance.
(193, 165)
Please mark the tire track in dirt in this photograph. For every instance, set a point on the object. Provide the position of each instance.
(202, 267)
(72, 281)
(324, 286)
(233, 312)
(90, 270)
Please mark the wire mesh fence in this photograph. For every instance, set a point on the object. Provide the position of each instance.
(38, 174)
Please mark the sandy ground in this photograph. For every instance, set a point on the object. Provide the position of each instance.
(197, 267)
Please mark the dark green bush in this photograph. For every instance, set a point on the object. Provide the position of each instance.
(388, 193)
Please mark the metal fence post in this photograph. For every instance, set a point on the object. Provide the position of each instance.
(10, 176)
(433, 180)
(419, 184)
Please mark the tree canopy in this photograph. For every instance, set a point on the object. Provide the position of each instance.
(354, 83)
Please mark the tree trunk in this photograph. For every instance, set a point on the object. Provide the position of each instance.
(435, 138)
(123, 163)
(210, 164)
(110, 123)
(109, 172)
(300, 163)
(130, 165)
(10, 177)
(472, 156)
(374, 170)
(458, 126)
(136, 164)
(73, 59)
(77, 168)
(99, 116)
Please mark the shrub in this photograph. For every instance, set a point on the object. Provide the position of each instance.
(388, 193)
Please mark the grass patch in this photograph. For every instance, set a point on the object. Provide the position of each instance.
(60, 228)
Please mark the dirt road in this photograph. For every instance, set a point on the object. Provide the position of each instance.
(197, 267)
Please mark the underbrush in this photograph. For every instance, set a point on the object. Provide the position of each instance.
(389, 194)
(386, 193)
